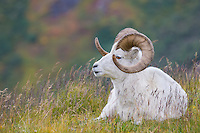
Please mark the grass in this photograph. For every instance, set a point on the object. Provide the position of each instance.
(69, 102)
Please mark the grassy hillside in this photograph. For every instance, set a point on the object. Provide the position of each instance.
(69, 102)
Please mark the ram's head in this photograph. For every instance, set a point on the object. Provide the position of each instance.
(132, 52)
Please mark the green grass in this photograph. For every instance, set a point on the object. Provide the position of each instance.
(69, 102)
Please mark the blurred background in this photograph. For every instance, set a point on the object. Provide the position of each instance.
(36, 34)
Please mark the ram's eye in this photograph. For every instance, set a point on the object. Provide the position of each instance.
(118, 57)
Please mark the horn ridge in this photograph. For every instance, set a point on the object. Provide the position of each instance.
(132, 38)
(99, 48)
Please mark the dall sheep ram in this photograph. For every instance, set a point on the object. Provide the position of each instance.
(140, 92)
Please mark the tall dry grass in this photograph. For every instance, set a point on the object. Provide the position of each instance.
(69, 101)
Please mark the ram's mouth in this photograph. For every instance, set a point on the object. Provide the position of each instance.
(96, 72)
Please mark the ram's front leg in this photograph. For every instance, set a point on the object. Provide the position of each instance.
(107, 112)
(110, 109)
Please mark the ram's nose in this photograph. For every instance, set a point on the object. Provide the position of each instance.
(95, 65)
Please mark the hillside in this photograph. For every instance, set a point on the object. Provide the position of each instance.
(69, 102)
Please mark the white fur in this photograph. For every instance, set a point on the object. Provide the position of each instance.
(149, 94)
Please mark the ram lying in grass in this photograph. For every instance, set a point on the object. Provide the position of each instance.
(140, 92)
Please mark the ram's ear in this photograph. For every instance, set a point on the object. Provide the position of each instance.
(134, 52)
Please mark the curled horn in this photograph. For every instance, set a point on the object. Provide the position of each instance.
(129, 38)
(100, 49)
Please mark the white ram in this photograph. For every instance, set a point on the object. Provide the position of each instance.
(140, 92)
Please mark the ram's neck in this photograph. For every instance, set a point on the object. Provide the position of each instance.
(125, 83)
(118, 84)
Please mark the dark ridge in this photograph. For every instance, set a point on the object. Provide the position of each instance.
(62, 6)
